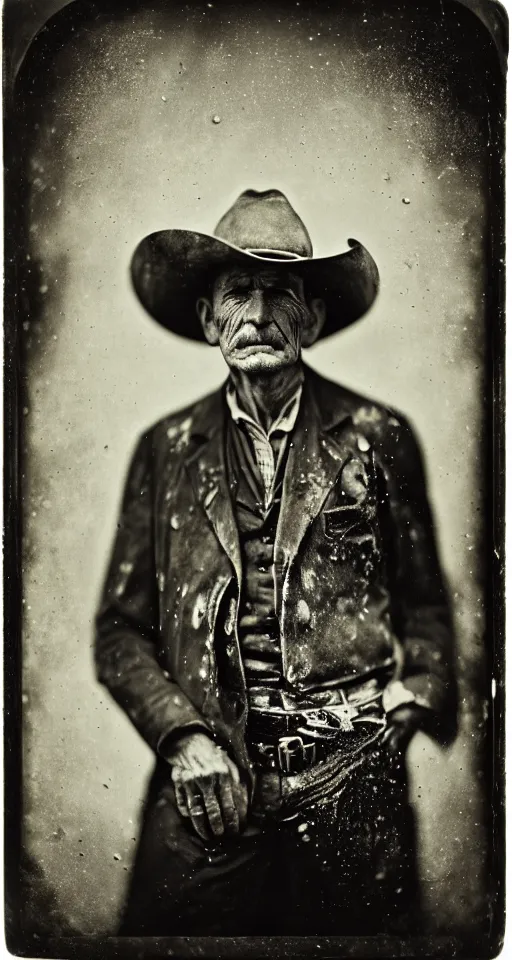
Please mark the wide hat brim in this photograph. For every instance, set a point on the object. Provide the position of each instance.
(171, 268)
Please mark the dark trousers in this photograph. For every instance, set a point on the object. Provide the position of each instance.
(344, 868)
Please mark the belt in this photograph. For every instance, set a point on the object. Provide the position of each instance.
(291, 742)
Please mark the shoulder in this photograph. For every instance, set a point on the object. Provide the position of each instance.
(176, 431)
(386, 429)
(372, 417)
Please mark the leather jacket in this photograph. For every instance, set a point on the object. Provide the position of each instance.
(358, 583)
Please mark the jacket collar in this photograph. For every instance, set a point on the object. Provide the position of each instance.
(331, 403)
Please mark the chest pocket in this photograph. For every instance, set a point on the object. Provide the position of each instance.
(350, 527)
(346, 522)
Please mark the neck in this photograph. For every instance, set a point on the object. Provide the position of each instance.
(264, 396)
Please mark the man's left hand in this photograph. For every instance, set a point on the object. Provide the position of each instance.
(403, 723)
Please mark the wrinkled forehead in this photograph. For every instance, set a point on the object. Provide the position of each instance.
(256, 277)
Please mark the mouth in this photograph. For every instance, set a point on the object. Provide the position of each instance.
(249, 348)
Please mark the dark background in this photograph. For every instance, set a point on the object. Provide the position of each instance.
(380, 121)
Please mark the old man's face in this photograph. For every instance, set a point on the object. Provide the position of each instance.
(260, 319)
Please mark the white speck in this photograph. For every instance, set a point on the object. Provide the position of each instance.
(405, 200)
(198, 611)
(210, 496)
(175, 521)
(229, 624)
(180, 431)
(216, 118)
(303, 612)
(493, 688)
(164, 99)
(43, 288)
(362, 443)
(126, 567)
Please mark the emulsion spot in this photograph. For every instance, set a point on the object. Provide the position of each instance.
(303, 612)
(199, 611)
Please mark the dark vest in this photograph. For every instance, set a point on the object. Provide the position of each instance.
(258, 627)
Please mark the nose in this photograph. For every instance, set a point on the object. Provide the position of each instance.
(256, 308)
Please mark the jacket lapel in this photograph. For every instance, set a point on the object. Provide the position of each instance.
(314, 462)
(206, 468)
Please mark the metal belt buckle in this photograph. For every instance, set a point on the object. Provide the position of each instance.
(292, 754)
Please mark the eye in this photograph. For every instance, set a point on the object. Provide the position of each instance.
(282, 293)
(239, 293)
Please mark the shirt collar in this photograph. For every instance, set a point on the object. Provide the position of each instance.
(285, 421)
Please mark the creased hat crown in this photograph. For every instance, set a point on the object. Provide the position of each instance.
(265, 222)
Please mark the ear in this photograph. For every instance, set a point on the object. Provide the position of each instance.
(204, 311)
(313, 324)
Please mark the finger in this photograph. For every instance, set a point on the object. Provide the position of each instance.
(233, 769)
(241, 799)
(240, 794)
(388, 734)
(200, 824)
(398, 741)
(181, 799)
(389, 739)
(197, 812)
(227, 804)
(212, 808)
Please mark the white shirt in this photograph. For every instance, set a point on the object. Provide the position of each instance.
(266, 454)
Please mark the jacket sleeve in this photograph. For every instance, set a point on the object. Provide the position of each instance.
(421, 607)
(127, 623)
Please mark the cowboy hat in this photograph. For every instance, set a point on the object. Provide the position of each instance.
(172, 268)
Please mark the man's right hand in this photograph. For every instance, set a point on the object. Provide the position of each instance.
(207, 785)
